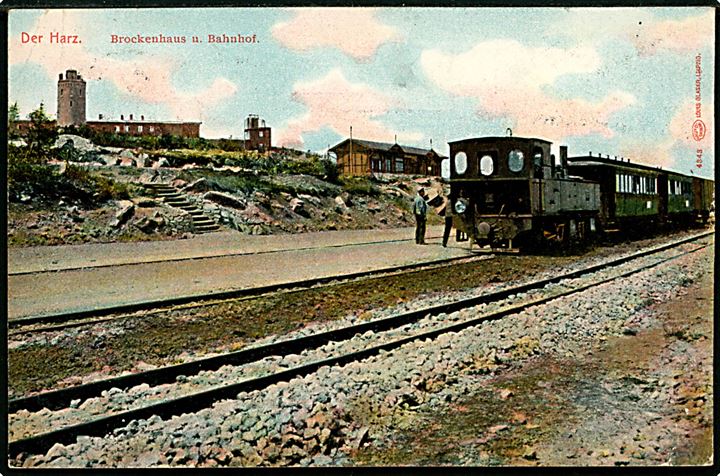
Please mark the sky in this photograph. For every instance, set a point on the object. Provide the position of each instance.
(617, 81)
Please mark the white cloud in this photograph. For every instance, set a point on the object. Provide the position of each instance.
(641, 27)
(335, 103)
(507, 80)
(677, 36)
(354, 31)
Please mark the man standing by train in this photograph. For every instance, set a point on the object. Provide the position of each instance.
(420, 212)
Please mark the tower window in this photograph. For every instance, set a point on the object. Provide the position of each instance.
(71, 103)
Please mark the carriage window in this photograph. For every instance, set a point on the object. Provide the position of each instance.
(515, 160)
(460, 162)
(486, 165)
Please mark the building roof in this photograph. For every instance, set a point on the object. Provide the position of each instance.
(135, 121)
(590, 160)
(500, 139)
(385, 147)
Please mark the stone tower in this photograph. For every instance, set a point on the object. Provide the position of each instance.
(71, 99)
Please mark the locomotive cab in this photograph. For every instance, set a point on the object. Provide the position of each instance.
(503, 188)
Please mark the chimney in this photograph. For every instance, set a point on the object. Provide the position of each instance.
(131, 117)
(122, 117)
(60, 76)
(563, 157)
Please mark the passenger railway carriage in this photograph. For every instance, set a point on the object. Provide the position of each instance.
(511, 191)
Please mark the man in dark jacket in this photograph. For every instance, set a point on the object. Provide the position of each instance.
(420, 212)
(445, 210)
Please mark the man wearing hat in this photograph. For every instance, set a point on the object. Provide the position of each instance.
(420, 212)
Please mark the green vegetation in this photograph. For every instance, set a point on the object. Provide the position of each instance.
(111, 139)
(360, 186)
(30, 175)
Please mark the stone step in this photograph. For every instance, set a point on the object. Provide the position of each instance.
(160, 187)
(202, 221)
(173, 197)
(207, 229)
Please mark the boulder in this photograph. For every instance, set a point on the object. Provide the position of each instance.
(127, 208)
(142, 160)
(298, 206)
(144, 202)
(310, 198)
(127, 154)
(199, 185)
(225, 199)
(79, 143)
(162, 162)
(373, 207)
(109, 159)
(149, 176)
(340, 203)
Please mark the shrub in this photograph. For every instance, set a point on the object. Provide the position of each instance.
(28, 173)
(359, 186)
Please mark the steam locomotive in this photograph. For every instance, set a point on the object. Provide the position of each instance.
(511, 192)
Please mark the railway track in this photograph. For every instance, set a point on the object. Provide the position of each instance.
(396, 336)
(126, 311)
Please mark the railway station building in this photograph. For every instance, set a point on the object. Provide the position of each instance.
(364, 157)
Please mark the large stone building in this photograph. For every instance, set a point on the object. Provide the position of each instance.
(70, 99)
(364, 157)
(71, 112)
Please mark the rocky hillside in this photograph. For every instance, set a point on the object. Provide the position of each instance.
(289, 192)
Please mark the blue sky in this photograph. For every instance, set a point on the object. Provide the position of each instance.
(615, 81)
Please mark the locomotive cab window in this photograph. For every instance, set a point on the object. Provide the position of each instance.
(460, 162)
(487, 164)
(515, 160)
